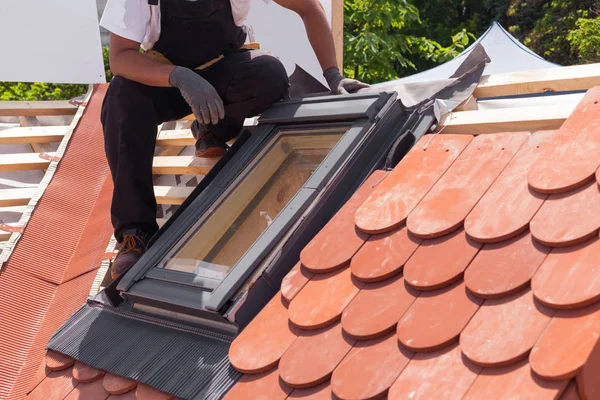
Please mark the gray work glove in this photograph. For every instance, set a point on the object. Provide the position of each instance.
(340, 85)
(202, 97)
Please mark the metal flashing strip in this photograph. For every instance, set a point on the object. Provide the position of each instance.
(186, 362)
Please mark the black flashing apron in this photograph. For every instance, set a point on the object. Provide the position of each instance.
(195, 32)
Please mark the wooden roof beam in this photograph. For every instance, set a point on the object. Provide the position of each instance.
(36, 108)
(16, 197)
(172, 195)
(561, 79)
(182, 165)
(506, 120)
(23, 162)
(35, 134)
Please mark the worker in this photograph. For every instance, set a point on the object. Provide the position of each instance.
(193, 61)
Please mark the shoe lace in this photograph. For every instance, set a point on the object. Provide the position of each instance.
(130, 244)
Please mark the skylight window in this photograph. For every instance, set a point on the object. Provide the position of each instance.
(216, 243)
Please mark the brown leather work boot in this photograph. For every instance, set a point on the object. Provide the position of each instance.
(132, 248)
(207, 145)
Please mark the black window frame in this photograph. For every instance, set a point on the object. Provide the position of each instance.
(366, 134)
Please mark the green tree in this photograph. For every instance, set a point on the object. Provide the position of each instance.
(379, 44)
(562, 31)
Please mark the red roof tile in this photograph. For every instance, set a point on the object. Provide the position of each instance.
(574, 154)
(569, 277)
(377, 308)
(323, 299)
(566, 344)
(501, 269)
(355, 377)
(444, 374)
(320, 392)
(440, 262)
(389, 205)
(294, 281)
(508, 206)
(446, 206)
(84, 373)
(384, 255)
(265, 386)
(515, 341)
(504, 330)
(56, 386)
(339, 240)
(57, 362)
(115, 384)
(311, 359)
(90, 391)
(568, 218)
(83, 382)
(436, 318)
(513, 382)
(249, 354)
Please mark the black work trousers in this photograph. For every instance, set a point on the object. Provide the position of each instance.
(248, 81)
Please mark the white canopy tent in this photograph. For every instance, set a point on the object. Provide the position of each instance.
(507, 54)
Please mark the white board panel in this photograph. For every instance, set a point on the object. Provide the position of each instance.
(282, 32)
(54, 41)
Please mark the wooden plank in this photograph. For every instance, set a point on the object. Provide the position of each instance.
(506, 120)
(179, 137)
(16, 197)
(22, 162)
(36, 108)
(171, 195)
(36, 134)
(577, 77)
(182, 165)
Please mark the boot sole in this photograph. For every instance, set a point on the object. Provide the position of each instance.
(213, 152)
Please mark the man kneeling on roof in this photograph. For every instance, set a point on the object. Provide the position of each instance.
(195, 61)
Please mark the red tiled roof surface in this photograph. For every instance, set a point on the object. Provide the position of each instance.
(52, 268)
(62, 377)
(470, 271)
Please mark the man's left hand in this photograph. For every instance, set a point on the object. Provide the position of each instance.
(340, 85)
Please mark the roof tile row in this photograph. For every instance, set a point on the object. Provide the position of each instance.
(61, 377)
(475, 284)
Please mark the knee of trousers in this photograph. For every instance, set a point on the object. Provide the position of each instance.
(272, 80)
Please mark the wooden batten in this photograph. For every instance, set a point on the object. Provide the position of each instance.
(182, 165)
(506, 120)
(36, 108)
(560, 79)
(16, 197)
(23, 162)
(35, 134)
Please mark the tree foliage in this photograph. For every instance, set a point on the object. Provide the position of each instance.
(385, 39)
(562, 31)
(379, 40)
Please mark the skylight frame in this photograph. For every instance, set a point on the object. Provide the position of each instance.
(147, 284)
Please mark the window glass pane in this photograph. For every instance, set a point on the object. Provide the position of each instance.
(245, 211)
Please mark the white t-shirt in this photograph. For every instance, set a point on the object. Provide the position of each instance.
(138, 21)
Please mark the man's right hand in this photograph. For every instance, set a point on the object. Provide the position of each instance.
(202, 97)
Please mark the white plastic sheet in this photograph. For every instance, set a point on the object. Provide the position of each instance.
(50, 41)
